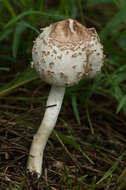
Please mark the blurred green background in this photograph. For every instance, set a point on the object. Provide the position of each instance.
(20, 23)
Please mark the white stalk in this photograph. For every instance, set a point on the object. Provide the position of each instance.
(41, 137)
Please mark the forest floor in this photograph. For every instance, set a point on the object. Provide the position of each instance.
(75, 157)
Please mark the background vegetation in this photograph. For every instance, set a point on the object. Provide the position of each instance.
(93, 103)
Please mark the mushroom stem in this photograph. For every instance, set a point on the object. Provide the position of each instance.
(53, 106)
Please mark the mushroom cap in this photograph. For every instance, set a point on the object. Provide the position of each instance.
(66, 52)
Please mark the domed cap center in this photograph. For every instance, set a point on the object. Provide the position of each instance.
(68, 31)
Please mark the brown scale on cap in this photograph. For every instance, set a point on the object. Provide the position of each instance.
(35, 50)
(87, 66)
(63, 48)
(69, 32)
(66, 83)
(48, 52)
(44, 42)
(59, 57)
(37, 63)
(79, 74)
(75, 55)
(98, 53)
(43, 70)
(43, 60)
(89, 52)
(55, 51)
(63, 75)
(50, 46)
(93, 32)
(83, 49)
(50, 73)
(43, 52)
(51, 64)
(74, 66)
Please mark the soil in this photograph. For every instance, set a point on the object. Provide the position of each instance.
(64, 166)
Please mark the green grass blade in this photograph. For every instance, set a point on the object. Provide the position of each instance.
(7, 58)
(117, 91)
(121, 104)
(114, 22)
(75, 109)
(93, 184)
(122, 176)
(108, 183)
(22, 79)
(112, 169)
(72, 143)
(4, 69)
(20, 28)
(10, 8)
(95, 2)
(27, 25)
(89, 121)
(122, 68)
(24, 3)
(17, 37)
(122, 186)
(85, 155)
(30, 12)
(5, 34)
(120, 77)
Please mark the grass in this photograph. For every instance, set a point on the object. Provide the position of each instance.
(99, 104)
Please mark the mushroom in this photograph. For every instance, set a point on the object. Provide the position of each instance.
(64, 53)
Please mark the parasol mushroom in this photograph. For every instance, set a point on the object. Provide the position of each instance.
(63, 54)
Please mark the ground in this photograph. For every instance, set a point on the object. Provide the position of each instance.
(76, 156)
